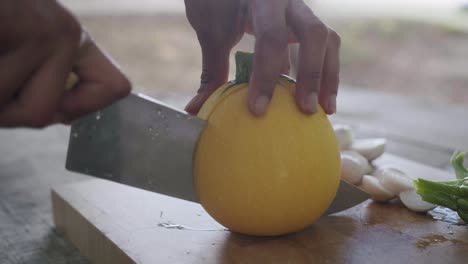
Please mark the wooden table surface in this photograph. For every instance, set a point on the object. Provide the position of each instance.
(114, 223)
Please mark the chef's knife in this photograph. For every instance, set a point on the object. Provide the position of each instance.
(141, 142)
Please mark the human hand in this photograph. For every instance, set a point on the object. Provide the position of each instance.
(40, 44)
(220, 24)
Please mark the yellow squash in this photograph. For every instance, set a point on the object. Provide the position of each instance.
(265, 176)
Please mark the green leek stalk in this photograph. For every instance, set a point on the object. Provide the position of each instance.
(450, 194)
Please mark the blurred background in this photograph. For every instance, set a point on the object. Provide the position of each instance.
(414, 48)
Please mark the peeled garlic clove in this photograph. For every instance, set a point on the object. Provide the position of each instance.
(413, 201)
(353, 166)
(370, 148)
(394, 180)
(372, 186)
(344, 136)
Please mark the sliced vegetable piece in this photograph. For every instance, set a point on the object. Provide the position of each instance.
(372, 186)
(353, 166)
(394, 180)
(370, 148)
(414, 202)
(344, 136)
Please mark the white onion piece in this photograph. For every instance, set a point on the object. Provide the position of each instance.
(413, 201)
(370, 148)
(344, 136)
(353, 166)
(372, 186)
(394, 180)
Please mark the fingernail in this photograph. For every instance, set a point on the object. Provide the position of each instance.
(261, 105)
(193, 106)
(310, 103)
(332, 104)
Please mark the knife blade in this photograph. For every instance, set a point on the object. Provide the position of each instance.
(142, 142)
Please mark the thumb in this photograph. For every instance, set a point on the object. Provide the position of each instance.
(214, 74)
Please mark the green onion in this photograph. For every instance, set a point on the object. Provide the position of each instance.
(450, 194)
(457, 163)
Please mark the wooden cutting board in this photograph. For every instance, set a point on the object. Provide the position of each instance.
(113, 223)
